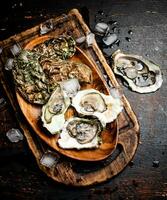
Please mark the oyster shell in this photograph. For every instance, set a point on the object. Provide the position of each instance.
(34, 76)
(53, 112)
(62, 47)
(142, 76)
(79, 133)
(30, 79)
(93, 103)
(63, 70)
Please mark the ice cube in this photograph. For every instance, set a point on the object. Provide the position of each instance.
(9, 64)
(80, 39)
(15, 49)
(46, 27)
(90, 39)
(14, 135)
(110, 39)
(102, 28)
(49, 159)
(116, 93)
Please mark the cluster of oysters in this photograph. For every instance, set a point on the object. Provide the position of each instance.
(46, 76)
(29, 74)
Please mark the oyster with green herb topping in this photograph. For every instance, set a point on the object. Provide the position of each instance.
(30, 79)
(62, 47)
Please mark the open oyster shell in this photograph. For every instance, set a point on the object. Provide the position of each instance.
(53, 112)
(142, 76)
(80, 133)
(91, 102)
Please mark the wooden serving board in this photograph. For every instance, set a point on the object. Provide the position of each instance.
(69, 171)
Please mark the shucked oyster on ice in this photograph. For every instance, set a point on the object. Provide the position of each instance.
(80, 133)
(53, 111)
(91, 102)
(142, 76)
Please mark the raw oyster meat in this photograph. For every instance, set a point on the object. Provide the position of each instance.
(53, 112)
(93, 103)
(30, 79)
(79, 133)
(142, 76)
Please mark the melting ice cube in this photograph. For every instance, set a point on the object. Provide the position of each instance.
(9, 64)
(102, 28)
(117, 93)
(110, 39)
(90, 37)
(15, 49)
(14, 135)
(80, 39)
(46, 27)
(49, 159)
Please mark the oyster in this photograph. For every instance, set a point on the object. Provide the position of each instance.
(93, 103)
(142, 76)
(79, 133)
(63, 70)
(62, 47)
(30, 79)
(53, 112)
(30, 71)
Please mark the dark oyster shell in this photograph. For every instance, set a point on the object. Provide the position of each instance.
(30, 79)
(62, 47)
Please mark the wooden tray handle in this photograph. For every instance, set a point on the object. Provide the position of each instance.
(64, 173)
